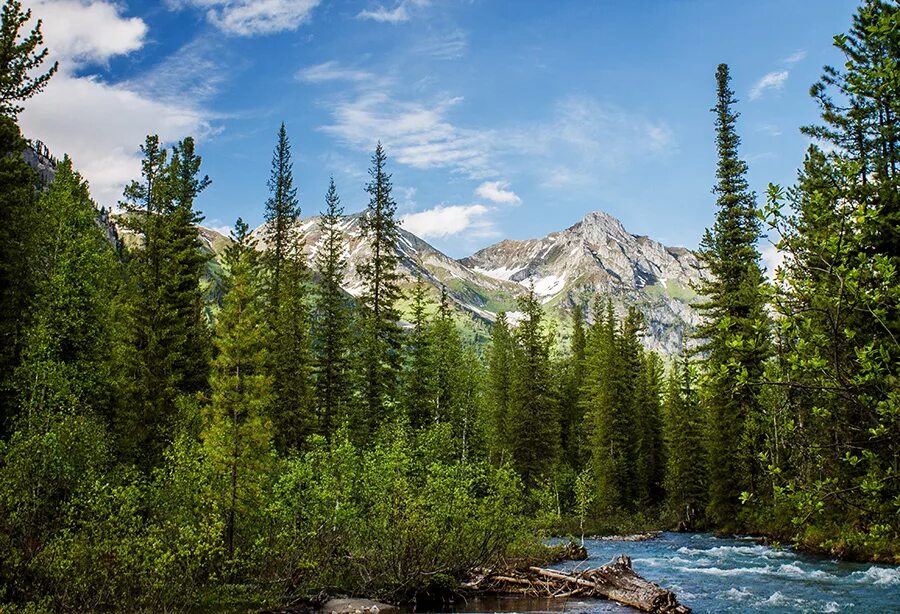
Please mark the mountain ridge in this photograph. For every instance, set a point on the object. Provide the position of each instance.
(594, 256)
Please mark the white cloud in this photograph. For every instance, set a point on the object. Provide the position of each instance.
(78, 32)
(498, 192)
(398, 14)
(446, 47)
(774, 80)
(253, 17)
(797, 56)
(100, 125)
(773, 258)
(446, 220)
(332, 71)
(414, 133)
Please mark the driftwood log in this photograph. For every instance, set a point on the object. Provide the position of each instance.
(615, 581)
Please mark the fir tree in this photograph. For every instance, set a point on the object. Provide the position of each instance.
(380, 345)
(735, 329)
(533, 409)
(331, 319)
(836, 425)
(238, 436)
(282, 214)
(287, 309)
(419, 376)
(685, 432)
(19, 58)
(18, 219)
(153, 323)
(186, 264)
(499, 384)
(571, 407)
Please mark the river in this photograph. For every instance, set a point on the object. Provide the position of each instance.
(712, 574)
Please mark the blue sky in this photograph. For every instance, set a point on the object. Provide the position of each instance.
(501, 119)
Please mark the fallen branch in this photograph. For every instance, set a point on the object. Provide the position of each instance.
(615, 581)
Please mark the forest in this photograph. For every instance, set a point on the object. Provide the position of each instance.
(167, 447)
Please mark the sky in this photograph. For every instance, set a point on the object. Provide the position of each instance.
(500, 118)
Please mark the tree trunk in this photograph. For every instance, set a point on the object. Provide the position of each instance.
(615, 581)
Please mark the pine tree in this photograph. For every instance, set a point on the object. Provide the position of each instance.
(651, 463)
(238, 436)
(287, 308)
(18, 219)
(447, 356)
(380, 345)
(19, 58)
(685, 432)
(282, 214)
(499, 384)
(186, 264)
(419, 376)
(293, 406)
(152, 322)
(735, 329)
(533, 408)
(67, 358)
(571, 407)
(835, 431)
(331, 319)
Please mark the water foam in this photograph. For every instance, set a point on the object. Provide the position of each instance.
(886, 576)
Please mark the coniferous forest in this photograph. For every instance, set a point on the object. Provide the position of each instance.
(172, 438)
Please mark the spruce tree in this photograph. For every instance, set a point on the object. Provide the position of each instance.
(152, 322)
(238, 436)
(571, 407)
(331, 319)
(651, 463)
(379, 353)
(19, 58)
(186, 265)
(419, 381)
(533, 410)
(18, 219)
(835, 432)
(67, 357)
(291, 366)
(735, 331)
(499, 384)
(685, 439)
(447, 356)
(281, 216)
(287, 308)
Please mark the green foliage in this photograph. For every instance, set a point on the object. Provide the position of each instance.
(834, 423)
(379, 351)
(735, 331)
(685, 431)
(238, 436)
(18, 218)
(533, 410)
(286, 307)
(331, 326)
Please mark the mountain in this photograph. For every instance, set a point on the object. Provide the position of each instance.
(595, 256)
(598, 256)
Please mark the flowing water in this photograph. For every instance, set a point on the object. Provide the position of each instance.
(711, 574)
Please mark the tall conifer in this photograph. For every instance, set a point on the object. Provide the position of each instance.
(735, 331)
(331, 319)
(380, 346)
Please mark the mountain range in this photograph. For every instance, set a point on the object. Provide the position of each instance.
(595, 256)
